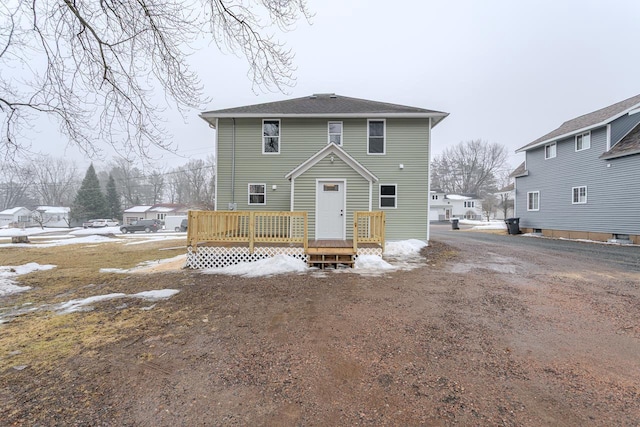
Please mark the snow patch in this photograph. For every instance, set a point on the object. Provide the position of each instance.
(84, 304)
(404, 248)
(373, 262)
(279, 264)
(7, 273)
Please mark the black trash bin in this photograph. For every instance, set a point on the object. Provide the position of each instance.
(513, 225)
(454, 224)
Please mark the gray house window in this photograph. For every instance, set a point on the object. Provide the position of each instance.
(550, 151)
(579, 195)
(533, 201)
(376, 136)
(388, 195)
(335, 133)
(257, 194)
(270, 136)
(583, 142)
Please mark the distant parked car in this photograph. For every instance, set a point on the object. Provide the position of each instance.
(104, 223)
(183, 225)
(146, 225)
(89, 223)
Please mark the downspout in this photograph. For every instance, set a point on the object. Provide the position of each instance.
(429, 183)
(233, 163)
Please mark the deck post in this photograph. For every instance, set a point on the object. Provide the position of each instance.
(306, 233)
(355, 232)
(252, 228)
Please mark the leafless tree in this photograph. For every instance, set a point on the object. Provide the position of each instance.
(94, 66)
(15, 185)
(156, 185)
(56, 181)
(469, 167)
(194, 183)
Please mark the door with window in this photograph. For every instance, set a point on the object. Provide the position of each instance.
(330, 210)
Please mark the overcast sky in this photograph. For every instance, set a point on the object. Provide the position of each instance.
(506, 71)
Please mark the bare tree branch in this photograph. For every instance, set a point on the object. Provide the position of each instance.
(98, 67)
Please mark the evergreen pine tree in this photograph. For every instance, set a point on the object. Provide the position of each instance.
(89, 202)
(113, 199)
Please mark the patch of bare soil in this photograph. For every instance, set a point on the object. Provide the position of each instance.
(437, 345)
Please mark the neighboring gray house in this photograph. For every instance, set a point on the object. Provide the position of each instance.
(582, 180)
(328, 155)
(158, 211)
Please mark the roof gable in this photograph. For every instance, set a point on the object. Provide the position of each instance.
(324, 105)
(627, 146)
(338, 152)
(586, 122)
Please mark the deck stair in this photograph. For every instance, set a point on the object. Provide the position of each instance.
(331, 253)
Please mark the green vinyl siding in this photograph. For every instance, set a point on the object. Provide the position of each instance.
(357, 194)
(407, 143)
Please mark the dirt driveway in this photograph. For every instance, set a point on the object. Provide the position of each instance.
(478, 335)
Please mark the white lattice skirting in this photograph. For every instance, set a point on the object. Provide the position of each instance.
(217, 257)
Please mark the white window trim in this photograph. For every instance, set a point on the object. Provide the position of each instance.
(555, 151)
(573, 200)
(249, 194)
(329, 123)
(380, 196)
(528, 204)
(384, 137)
(262, 137)
(583, 135)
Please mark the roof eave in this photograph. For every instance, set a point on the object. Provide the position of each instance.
(621, 154)
(212, 115)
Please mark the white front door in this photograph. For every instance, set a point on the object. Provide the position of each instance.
(330, 209)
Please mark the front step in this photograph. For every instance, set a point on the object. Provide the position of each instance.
(322, 260)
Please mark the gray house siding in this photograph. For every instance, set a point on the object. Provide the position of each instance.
(610, 206)
(622, 126)
(407, 143)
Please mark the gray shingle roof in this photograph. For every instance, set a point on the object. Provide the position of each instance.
(329, 105)
(519, 171)
(585, 122)
(627, 146)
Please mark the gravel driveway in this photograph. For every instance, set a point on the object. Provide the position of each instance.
(485, 332)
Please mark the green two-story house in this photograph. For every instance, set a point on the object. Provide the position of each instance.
(328, 155)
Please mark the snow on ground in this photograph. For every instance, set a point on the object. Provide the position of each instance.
(97, 230)
(31, 231)
(155, 266)
(485, 225)
(404, 248)
(7, 273)
(84, 304)
(278, 264)
(91, 239)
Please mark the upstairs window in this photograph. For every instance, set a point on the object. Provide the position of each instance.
(376, 136)
(388, 195)
(583, 142)
(550, 151)
(270, 136)
(434, 197)
(470, 204)
(533, 201)
(257, 194)
(579, 195)
(335, 133)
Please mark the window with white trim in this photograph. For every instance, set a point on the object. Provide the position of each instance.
(533, 201)
(376, 130)
(583, 141)
(579, 195)
(470, 204)
(335, 132)
(271, 136)
(550, 151)
(257, 194)
(434, 197)
(388, 196)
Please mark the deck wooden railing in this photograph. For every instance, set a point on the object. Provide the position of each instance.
(248, 227)
(368, 227)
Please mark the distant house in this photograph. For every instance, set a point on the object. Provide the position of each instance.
(15, 217)
(52, 216)
(445, 206)
(582, 180)
(158, 211)
(504, 202)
